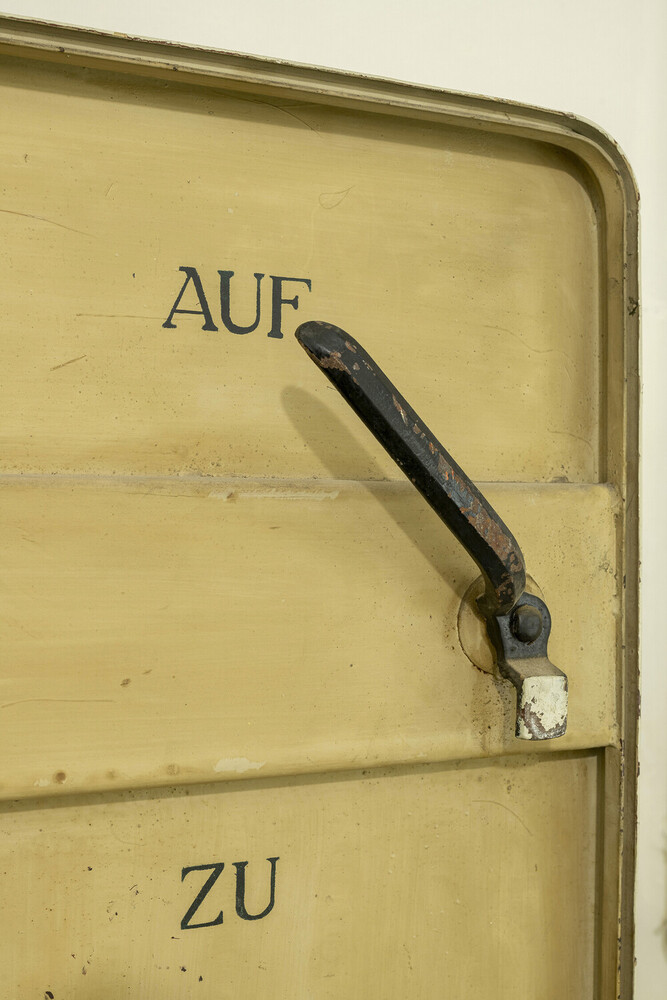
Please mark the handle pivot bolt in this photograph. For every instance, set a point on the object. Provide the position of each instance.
(526, 623)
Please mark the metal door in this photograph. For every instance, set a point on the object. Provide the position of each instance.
(253, 740)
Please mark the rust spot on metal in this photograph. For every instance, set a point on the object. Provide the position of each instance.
(333, 360)
(350, 347)
(355, 367)
(533, 723)
(404, 416)
(488, 528)
(478, 516)
(416, 428)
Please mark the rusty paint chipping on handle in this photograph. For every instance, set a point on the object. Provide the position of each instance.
(518, 623)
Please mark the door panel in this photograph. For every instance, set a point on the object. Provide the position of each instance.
(232, 633)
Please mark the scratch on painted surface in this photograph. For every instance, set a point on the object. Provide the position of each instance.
(41, 218)
(285, 111)
(114, 316)
(77, 701)
(70, 362)
(331, 199)
(493, 802)
(238, 765)
(274, 493)
(577, 437)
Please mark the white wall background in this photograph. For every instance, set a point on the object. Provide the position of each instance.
(605, 60)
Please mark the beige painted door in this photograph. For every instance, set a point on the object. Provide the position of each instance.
(245, 753)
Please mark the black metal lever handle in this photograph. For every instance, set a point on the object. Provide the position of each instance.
(518, 624)
(416, 450)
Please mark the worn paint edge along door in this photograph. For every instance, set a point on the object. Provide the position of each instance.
(617, 205)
